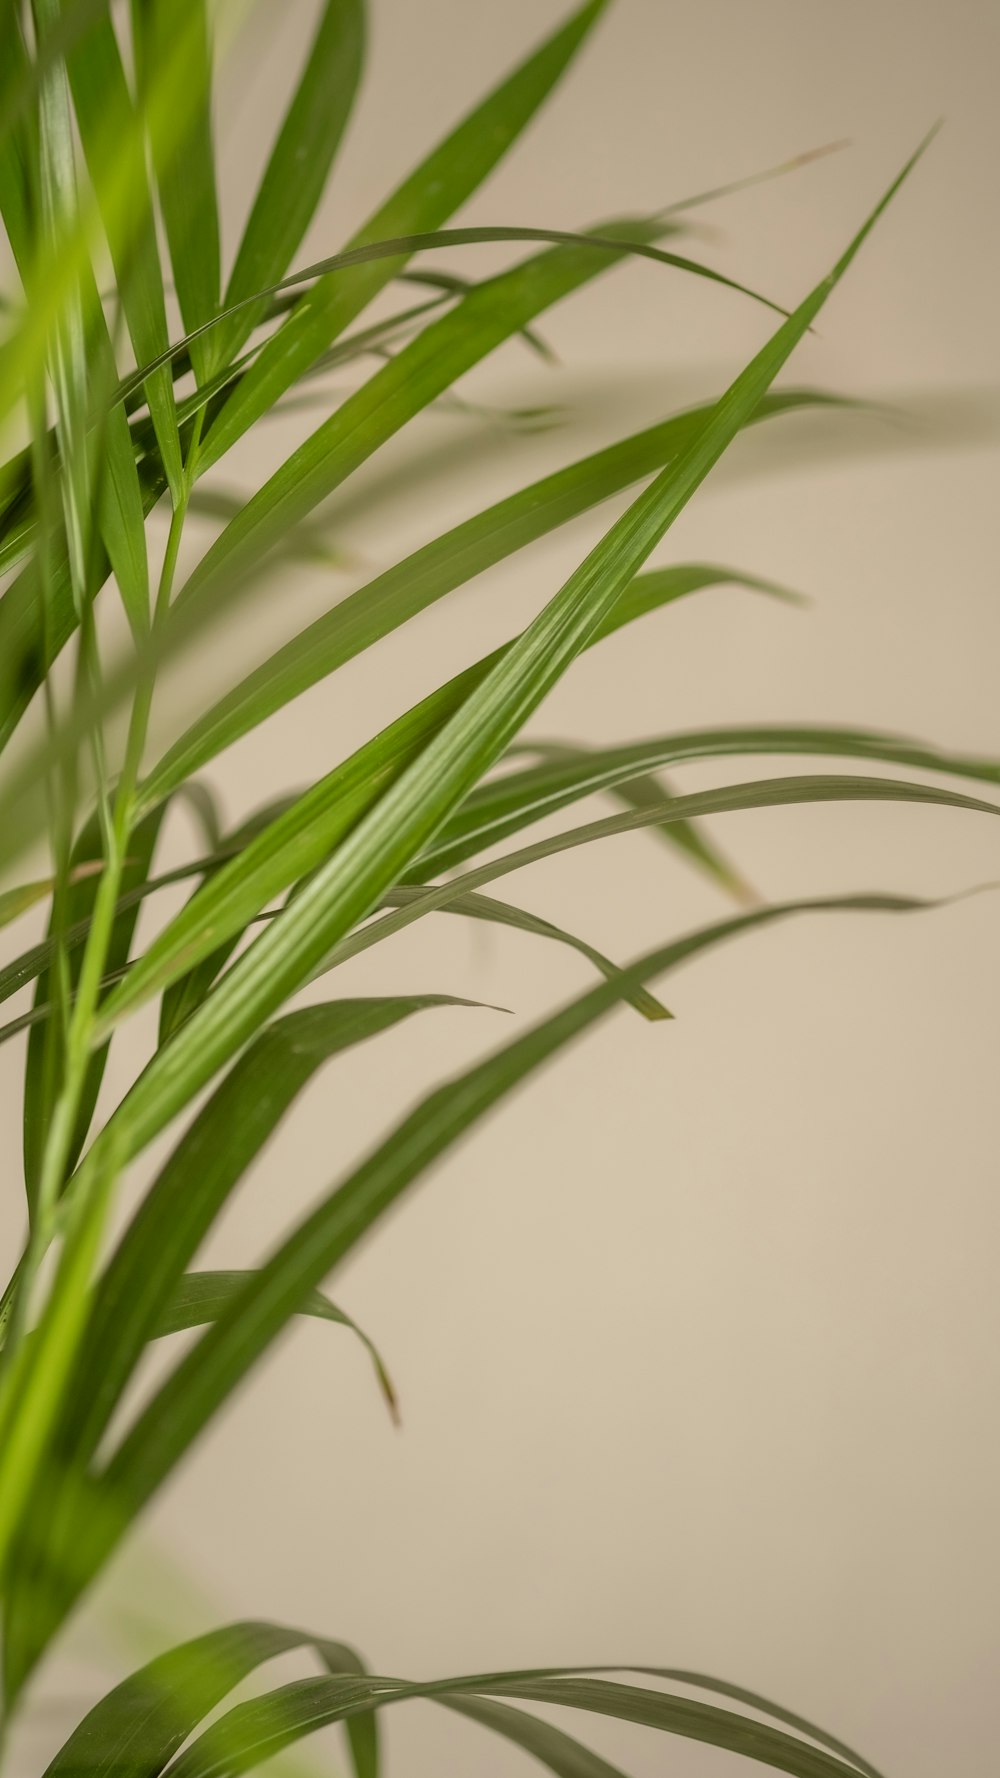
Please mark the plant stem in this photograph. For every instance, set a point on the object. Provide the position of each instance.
(80, 1029)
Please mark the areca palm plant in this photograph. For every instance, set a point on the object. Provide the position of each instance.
(130, 368)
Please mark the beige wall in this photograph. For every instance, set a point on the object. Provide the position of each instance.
(697, 1341)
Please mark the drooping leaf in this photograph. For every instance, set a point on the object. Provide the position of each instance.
(193, 987)
(768, 793)
(201, 1297)
(136, 1729)
(139, 1288)
(505, 806)
(253, 1732)
(542, 1740)
(644, 793)
(484, 907)
(147, 1711)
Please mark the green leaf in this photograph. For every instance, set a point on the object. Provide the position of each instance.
(458, 895)
(110, 133)
(78, 1542)
(425, 200)
(189, 990)
(120, 504)
(16, 194)
(567, 1758)
(136, 1729)
(500, 913)
(647, 792)
(17, 516)
(302, 838)
(20, 83)
(15, 902)
(173, 63)
(686, 1717)
(142, 1719)
(427, 575)
(188, 1398)
(542, 1740)
(138, 1289)
(26, 652)
(631, 236)
(255, 1731)
(113, 477)
(504, 806)
(112, 470)
(184, 995)
(619, 766)
(413, 902)
(201, 1298)
(296, 173)
(20, 662)
(661, 586)
(416, 376)
(379, 849)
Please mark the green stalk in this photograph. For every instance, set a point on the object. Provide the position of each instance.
(80, 1033)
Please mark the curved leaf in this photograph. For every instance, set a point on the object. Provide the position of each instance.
(491, 313)
(202, 1297)
(611, 766)
(193, 987)
(392, 832)
(424, 369)
(501, 808)
(136, 1729)
(726, 799)
(138, 1289)
(552, 1746)
(304, 836)
(152, 1705)
(647, 791)
(255, 1731)
(450, 561)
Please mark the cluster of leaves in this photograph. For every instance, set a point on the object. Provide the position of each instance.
(107, 161)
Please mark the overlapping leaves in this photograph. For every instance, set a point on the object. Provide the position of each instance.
(331, 871)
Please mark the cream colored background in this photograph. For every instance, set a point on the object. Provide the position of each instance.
(697, 1341)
